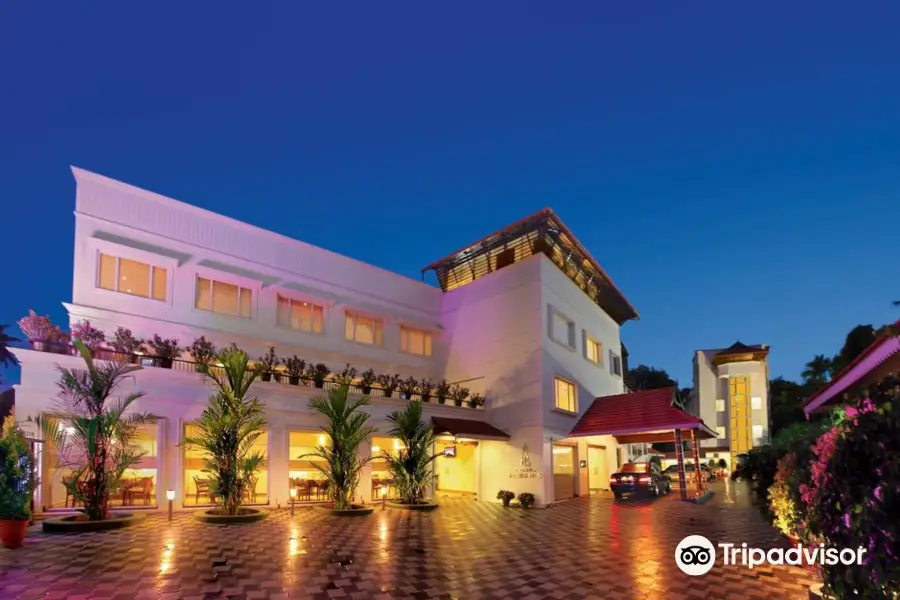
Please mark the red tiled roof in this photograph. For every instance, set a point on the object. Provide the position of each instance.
(637, 412)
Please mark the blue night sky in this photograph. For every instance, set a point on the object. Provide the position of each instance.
(733, 166)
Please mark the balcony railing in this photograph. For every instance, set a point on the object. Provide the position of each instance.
(278, 377)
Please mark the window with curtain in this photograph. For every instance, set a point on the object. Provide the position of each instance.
(132, 277)
(364, 330)
(223, 298)
(303, 316)
(415, 341)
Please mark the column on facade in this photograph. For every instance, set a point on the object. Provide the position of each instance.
(170, 475)
(364, 487)
(679, 456)
(279, 464)
(697, 470)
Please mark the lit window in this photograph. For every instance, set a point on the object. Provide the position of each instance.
(415, 341)
(756, 403)
(757, 433)
(562, 329)
(128, 276)
(720, 406)
(720, 432)
(615, 363)
(364, 330)
(593, 350)
(223, 298)
(303, 316)
(565, 395)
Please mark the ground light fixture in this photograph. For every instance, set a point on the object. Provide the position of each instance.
(293, 493)
(170, 496)
(384, 491)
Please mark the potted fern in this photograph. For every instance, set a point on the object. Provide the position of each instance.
(526, 499)
(408, 387)
(426, 386)
(164, 350)
(16, 484)
(318, 373)
(388, 383)
(366, 380)
(506, 496)
(267, 363)
(295, 366)
(126, 345)
(203, 351)
(441, 391)
(459, 394)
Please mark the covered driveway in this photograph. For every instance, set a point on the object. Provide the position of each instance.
(648, 416)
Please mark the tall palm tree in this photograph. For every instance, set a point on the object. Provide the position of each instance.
(411, 466)
(91, 432)
(6, 357)
(228, 429)
(346, 431)
(817, 370)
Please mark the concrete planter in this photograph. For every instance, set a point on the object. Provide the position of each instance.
(356, 511)
(421, 507)
(247, 515)
(78, 524)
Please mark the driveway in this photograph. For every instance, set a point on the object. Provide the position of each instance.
(584, 548)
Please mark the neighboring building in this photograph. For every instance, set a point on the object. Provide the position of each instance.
(731, 394)
(525, 317)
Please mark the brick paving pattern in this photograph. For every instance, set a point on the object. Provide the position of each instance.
(593, 548)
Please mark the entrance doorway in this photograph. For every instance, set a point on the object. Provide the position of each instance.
(563, 471)
(455, 466)
(598, 471)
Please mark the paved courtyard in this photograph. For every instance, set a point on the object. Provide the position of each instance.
(584, 548)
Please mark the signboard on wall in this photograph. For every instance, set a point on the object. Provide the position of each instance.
(525, 471)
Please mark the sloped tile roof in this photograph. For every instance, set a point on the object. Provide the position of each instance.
(644, 411)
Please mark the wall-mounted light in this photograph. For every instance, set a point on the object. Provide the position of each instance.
(376, 448)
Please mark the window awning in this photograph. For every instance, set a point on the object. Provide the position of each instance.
(478, 430)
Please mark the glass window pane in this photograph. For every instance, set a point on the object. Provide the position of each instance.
(283, 312)
(134, 277)
(246, 302)
(365, 333)
(160, 287)
(427, 344)
(404, 339)
(225, 298)
(107, 277)
(377, 326)
(203, 298)
(349, 326)
(317, 319)
(300, 317)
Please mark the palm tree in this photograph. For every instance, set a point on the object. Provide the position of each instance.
(346, 431)
(228, 429)
(411, 467)
(6, 357)
(817, 370)
(92, 433)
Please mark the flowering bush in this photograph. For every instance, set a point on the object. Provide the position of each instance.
(39, 328)
(853, 498)
(785, 501)
(89, 335)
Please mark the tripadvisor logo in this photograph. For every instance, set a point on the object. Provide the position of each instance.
(696, 555)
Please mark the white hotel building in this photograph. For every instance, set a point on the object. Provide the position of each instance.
(525, 317)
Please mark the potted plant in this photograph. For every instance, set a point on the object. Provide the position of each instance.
(410, 466)
(126, 345)
(441, 391)
(341, 463)
(475, 401)
(90, 336)
(346, 376)
(295, 366)
(226, 433)
(164, 350)
(43, 335)
(506, 496)
(426, 386)
(366, 380)
(318, 373)
(203, 351)
(459, 394)
(267, 363)
(388, 383)
(16, 484)
(526, 499)
(93, 433)
(408, 387)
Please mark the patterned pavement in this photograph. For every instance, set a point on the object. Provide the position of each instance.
(593, 548)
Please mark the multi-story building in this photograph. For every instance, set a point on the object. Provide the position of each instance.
(525, 317)
(731, 394)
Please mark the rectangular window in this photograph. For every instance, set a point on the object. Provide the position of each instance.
(133, 277)
(757, 434)
(720, 406)
(720, 432)
(303, 316)
(756, 403)
(565, 395)
(223, 298)
(593, 350)
(562, 329)
(364, 330)
(615, 363)
(415, 341)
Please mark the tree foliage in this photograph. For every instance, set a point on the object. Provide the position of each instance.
(16, 473)
(644, 377)
(411, 467)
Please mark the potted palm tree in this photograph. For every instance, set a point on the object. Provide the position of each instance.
(165, 351)
(295, 366)
(16, 484)
(346, 429)
(126, 345)
(411, 467)
(94, 435)
(225, 433)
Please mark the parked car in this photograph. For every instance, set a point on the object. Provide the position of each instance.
(690, 473)
(639, 478)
